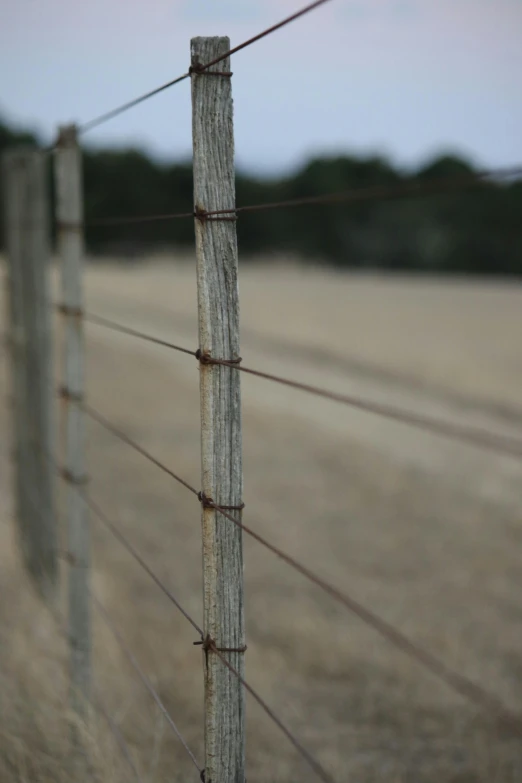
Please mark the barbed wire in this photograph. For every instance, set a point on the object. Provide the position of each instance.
(462, 685)
(503, 444)
(420, 188)
(109, 115)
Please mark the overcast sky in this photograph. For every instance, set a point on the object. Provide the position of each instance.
(407, 78)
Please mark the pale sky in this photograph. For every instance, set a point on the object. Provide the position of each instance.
(408, 78)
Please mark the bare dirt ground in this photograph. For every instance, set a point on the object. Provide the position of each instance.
(425, 531)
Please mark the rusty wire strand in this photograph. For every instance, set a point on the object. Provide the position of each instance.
(454, 680)
(211, 645)
(384, 192)
(122, 221)
(118, 535)
(313, 763)
(264, 33)
(116, 327)
(104, 422)
(109, 115)
(481, 438)
(503, 444)
(143, 677)
(419, 188)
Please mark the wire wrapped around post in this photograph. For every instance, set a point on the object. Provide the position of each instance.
(69, 217)
(221, 447)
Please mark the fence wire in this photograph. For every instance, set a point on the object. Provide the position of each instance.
(375, 193)
(61, 626)
(208, 645)
(501, 444)
(457, 682)
(118, 737)
(473, 692)
(109, 115)
(142, 676)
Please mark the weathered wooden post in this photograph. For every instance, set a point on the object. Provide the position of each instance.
(221, 447)
(69, 217)
(28, 254)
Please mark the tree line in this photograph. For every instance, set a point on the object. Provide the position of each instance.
(477, 230)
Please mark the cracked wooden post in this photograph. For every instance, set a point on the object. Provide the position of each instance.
(69, 217)
(221, 447)
(28, 253)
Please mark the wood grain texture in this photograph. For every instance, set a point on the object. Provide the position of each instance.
(28, 252)
(69, 213)
(221, 443)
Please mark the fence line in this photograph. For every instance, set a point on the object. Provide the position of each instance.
(221, 637)
(457, 682)
(460, 684)
(208, 644)
(440, 185)
(502, 444)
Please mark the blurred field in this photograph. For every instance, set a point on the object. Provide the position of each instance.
(425, 531)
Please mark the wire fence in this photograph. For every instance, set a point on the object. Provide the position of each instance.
(218, 379)
(441, 185)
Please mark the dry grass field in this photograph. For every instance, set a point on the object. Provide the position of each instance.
(425, 531)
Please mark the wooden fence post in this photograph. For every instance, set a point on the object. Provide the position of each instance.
(221, 447)
(69, 217)
(28, 253)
